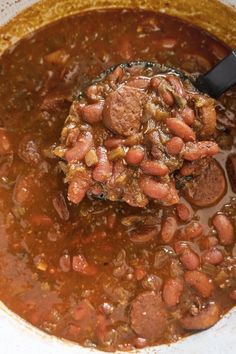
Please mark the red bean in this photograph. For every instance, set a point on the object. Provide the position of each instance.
(116, 75)
(154, 168)
(183, 212)
(174, 145)
(172, 291)
(195, 151)
(111, 143)
(179, 128)
(93, 112)
(139, 273)
(155, 82)
(189, 259)
(153, 189)
(103, 170)
(172, 197)
(77, 189)
(224, 229)
(166, 96)
(78, 152)
(205, 319)
(193, 230)
(144, 237)
(209, 242)
(168, 229)
(188, 115)
(135, 155)
(200, 282)
(177, 84)
(187, 169)
(5, 143)
(213, 256)
(140, 82)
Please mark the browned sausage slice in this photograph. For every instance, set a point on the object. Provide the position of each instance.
(205, 319)
(123, 110)
(208, 187)
(148, 316)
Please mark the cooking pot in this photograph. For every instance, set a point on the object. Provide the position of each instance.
(17, 336)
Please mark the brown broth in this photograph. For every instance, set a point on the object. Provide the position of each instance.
(33, 237)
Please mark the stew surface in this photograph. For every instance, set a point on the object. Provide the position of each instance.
(106, 274)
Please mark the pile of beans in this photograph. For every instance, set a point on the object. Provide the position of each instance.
(129, 133)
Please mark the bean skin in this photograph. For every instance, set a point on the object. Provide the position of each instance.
(205, 319)
(135, 155)
(168, 229)
(213, 256)
(5, 143)
(172, 291)
(78, 152)
(93, 112)
(103, 169)
(200, 282)
(174, 145)
(188, 115)
(153, 189)
(189, 259)
(224, 229)
(179, 128)
(193, 230)
(154, 168)
(183, 212)
(195, 151)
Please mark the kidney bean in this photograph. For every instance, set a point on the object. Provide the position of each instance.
(224, 229)
(193, 230)
(172, 291)
(103, 169)
(213, 256)
(195, 151)
(179, 128)
(205, 319)
(155, 82)
(77, 189)
(80, 265)
(183, 212)
(139, 273)
(166, 95)
(140, 343)
(177, 85)
(233, 294)
(153, 189)
(111, 143)
(174, 145)
(5, 143)
(139, 82)
(188, 115)
(135, 155)
(172, 197)
(187, 169)
(168, 229)
(154, 168)
(189, 259)
(209, 242)
(78, 152)
(116, 75)
(200, 282)
(93, 112)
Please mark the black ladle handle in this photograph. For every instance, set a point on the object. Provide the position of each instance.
(220, 78)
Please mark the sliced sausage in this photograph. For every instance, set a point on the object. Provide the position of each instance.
(205, 319)
(123, 110)
(224, 229)
(148, 316)
(207, 188)
(231, 170)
